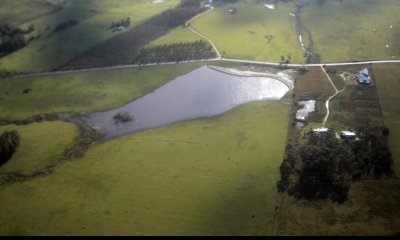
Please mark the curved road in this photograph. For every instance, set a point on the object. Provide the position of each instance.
(187, 24)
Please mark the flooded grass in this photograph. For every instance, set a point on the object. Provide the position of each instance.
(214, 176)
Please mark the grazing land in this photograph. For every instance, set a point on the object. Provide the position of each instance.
(178, 35)
(388, 83)
(244, 34)
(214, 176)
(371, 210)
(354, 30)
(41, 145)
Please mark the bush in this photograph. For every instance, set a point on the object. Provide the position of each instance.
(9, 142)
(123, 117)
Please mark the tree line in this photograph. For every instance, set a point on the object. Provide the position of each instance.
(324, 167)
(175, 52)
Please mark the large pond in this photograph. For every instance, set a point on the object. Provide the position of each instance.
(205, 92)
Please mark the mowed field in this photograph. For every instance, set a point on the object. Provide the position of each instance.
(354, 30)
(214, 176)
(388, 83)
(95, 18)
(243, 34)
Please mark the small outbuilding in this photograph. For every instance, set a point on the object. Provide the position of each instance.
(321, 130)
(364, 77)
(348, 135)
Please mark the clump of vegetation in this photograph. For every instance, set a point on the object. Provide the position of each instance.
(124, 23)
(13, 38)
(324, 167)
(65, 25)
(9, 142)
(123, 117)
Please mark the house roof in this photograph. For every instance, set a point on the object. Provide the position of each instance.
(364, 77)
(348, 133)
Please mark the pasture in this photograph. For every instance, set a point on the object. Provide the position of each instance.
(354, 30)
(177, 35)
(213, 176)
(95, 18)
(388, 84)
(372, 210)
(41, 145)
(244, 34)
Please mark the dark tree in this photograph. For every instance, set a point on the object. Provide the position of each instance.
(9, 142)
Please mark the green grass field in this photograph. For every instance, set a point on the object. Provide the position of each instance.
(372, 210)
(94, 16)
(214, 176)
(82, 92)
(18, 12)
(388, 83)
(242, 35)
(354, 30)
(40, 146)
(179, 34)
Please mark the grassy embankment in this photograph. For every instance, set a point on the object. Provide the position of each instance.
(388, 83)
(40, 146)
(215, 176)
(354, 30)
(95, 18)
(243, 34)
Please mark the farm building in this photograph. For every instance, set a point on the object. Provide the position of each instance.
(363, 77)
(348, 135)
(208, 4)
(321, 130)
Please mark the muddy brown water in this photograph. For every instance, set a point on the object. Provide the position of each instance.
(201, 93)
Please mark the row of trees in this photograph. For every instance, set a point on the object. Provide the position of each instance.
(175, 53)
(124, 48)
(9, 142)
(324, 167)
